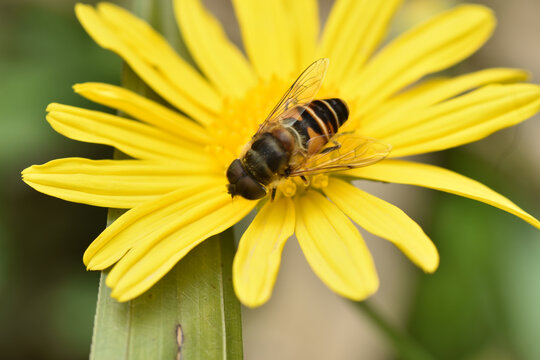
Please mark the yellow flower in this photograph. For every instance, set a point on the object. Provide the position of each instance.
(176, 184)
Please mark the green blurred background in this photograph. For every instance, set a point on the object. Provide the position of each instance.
(481, 304)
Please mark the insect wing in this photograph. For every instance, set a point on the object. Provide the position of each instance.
(344, 152)
(301, 92)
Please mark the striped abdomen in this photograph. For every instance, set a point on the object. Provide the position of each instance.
(319, 121)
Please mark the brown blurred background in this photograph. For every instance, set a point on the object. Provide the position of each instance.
(481, 303)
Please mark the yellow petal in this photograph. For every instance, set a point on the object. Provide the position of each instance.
(138, 140)
(334, 248)
(149, 55)
(462, 120)
(304, 19)
(435, 91)
(257, 260)
(148, 262)
(144, 110)
(218, 58)
(384, 220)
(113, 183)
(433, 46)
(405, 172)
(266, 34)
(142, 223)
(353, 31)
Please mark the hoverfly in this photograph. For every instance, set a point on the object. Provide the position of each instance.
(300, 138)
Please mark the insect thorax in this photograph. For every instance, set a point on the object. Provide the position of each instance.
(268, 157)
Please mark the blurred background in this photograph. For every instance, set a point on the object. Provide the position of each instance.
(482, 303)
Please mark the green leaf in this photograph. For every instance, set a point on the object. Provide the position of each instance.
(192, 313)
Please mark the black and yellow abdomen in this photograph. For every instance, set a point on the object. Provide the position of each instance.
(319, 121)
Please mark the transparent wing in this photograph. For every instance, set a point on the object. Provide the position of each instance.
(344, 151)
(301, 92)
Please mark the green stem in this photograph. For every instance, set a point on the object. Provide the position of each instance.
(405, 347)
(192, 313)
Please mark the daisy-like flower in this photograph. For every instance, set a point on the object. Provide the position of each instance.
(175, 185)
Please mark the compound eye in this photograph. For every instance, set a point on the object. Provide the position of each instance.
(250, 189)
(235, 171)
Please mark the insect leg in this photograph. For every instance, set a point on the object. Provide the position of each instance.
(336, 146)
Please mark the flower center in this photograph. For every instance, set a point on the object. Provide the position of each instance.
(319, 181)
(291, 186)
(239, 121)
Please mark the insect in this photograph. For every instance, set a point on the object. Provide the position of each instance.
(300, 138)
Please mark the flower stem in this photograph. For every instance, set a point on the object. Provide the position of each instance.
(405, 347)
(192, 312)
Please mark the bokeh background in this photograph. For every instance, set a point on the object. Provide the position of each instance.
(482, 303)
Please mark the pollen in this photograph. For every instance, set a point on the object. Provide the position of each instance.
(240, 118)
